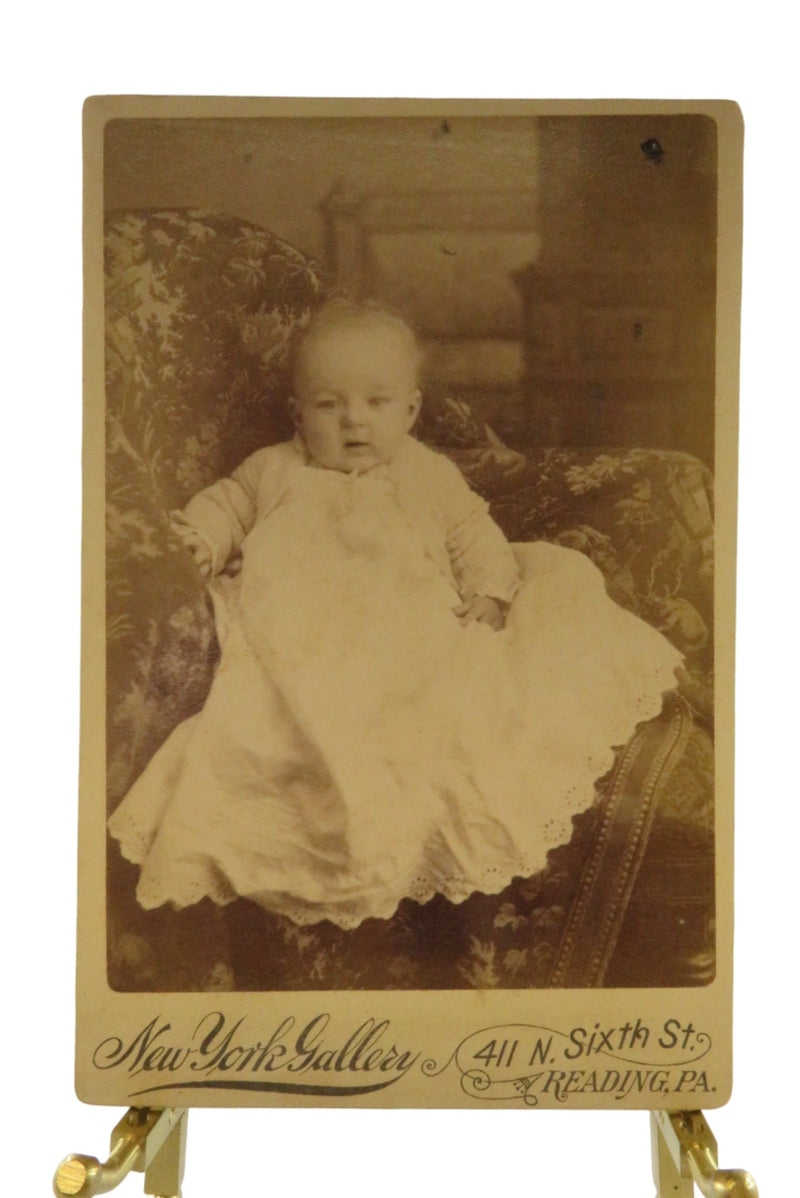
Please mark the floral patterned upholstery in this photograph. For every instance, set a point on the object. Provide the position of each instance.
(200, 310)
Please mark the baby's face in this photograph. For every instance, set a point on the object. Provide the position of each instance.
(356, 397)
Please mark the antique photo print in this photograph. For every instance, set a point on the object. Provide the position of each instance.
(414, 424)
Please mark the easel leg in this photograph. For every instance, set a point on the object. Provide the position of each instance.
(685, 1156)
(666, 1174)
(164, 1173)
(147, 1140)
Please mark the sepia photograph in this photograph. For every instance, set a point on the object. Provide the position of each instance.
(413, 645)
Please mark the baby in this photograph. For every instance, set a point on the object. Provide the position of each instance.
(405, 705)
(355, 402)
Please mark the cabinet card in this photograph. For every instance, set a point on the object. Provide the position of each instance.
(410, 458)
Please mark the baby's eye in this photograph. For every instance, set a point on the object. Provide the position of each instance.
(377, 401)
(327, 405)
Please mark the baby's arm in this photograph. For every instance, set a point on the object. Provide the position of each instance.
(215, 522)
(484, 567)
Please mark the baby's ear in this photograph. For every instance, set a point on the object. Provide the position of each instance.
(294, 410)
(414, 405)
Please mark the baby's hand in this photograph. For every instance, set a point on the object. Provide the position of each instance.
(196, 546)
(482, 609)
(202, 559)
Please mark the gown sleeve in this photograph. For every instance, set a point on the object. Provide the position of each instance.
(481, 558)
(222, 515)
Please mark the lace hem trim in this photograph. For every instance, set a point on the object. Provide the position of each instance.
(135, 842)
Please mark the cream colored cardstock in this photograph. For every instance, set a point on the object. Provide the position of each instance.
(574, 271)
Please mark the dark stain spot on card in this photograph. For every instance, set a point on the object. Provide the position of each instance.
(653, 150)
(447, 252)
(248, 158)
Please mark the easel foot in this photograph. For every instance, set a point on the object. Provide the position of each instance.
(685, 1156)
(148, 1140)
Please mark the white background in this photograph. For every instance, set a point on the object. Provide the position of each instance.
(684, 50)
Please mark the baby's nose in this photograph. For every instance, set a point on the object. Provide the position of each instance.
(352, 414)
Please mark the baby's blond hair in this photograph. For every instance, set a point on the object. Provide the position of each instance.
(337, 314)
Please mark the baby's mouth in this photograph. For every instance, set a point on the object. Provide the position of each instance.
(353, 444)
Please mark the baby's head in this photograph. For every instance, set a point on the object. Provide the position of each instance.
(354, 378)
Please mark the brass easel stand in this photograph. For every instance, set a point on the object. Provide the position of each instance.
(148, 1140)
(685, 1155)
(153, 1141)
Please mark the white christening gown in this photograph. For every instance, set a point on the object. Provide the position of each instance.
(359, 745)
